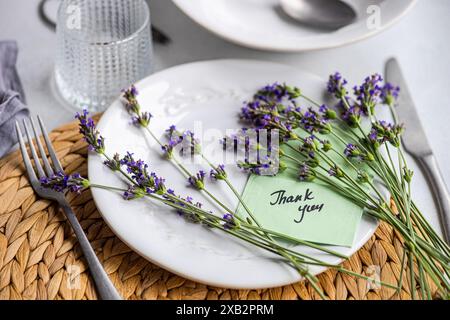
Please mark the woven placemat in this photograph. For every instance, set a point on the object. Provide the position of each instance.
(40, 257)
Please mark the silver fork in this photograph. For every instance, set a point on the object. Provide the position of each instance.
(104, 285)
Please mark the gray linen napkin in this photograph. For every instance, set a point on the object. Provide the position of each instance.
(12, 98)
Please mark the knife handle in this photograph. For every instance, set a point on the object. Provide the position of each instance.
(439, 191)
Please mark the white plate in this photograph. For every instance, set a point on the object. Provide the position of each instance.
(211, 92)
(259, 24)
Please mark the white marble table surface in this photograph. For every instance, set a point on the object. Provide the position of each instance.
(420, 41)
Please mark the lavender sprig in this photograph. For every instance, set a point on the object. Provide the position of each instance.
(306, 173)
(218, 173)
(389, 94)
(198, 180)
(335, 171)
(61, 182)
(311, 121)
(351, 115)
(424, 245)
(113, 163)
(382, 132)
(230, 222)
(336, 85)
(255, 168)
(138, 117)
(368, 94)
(272, 108)
(90, 133)
(277, 93)
(137, 172)
(354, 152)
(328, 114)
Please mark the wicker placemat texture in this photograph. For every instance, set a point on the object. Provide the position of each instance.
(40, 258)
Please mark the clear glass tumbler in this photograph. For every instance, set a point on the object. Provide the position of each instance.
(103, 46)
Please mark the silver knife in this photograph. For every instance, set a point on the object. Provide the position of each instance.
(416, 144)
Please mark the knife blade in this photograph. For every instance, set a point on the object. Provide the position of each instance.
(414, 138)
(416, 143)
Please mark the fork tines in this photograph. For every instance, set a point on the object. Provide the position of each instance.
(49, 169)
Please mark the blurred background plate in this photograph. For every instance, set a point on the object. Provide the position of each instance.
(261, 24)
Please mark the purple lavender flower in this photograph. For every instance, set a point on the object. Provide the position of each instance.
(198, 181)
(186, 139)
(368, 94)
(89, 131)
(276, 93)
(248, 110)
(218, 173)
(335, 171)
(354, 152)
(171, 131)
(138, 171)
(351, 150)
(141, 120)
(190, 215)
(352, 115)
(133, 192)
(327, 113)
(114, 163)
(389, 93)
(61, 182)
(273, 107)
(143, 183)
(159, 187)
(336, 85)
(260, 115)
(256, 168)
(134, 167)
(230, 222)
(187, 206)
(286, 130)
(130, 95)
(373, 136)
(332, 172)
(306, 173)
(191, 142)
(170, 145)
(138, 118)
(310, 146)
(309, 120)
(383, 131)
(313, 122)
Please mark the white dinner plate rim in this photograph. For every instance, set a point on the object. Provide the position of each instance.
(292, 49)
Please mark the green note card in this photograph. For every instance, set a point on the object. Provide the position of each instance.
(308, 211)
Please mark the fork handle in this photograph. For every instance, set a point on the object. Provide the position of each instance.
(105, 288)
(439, 190)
